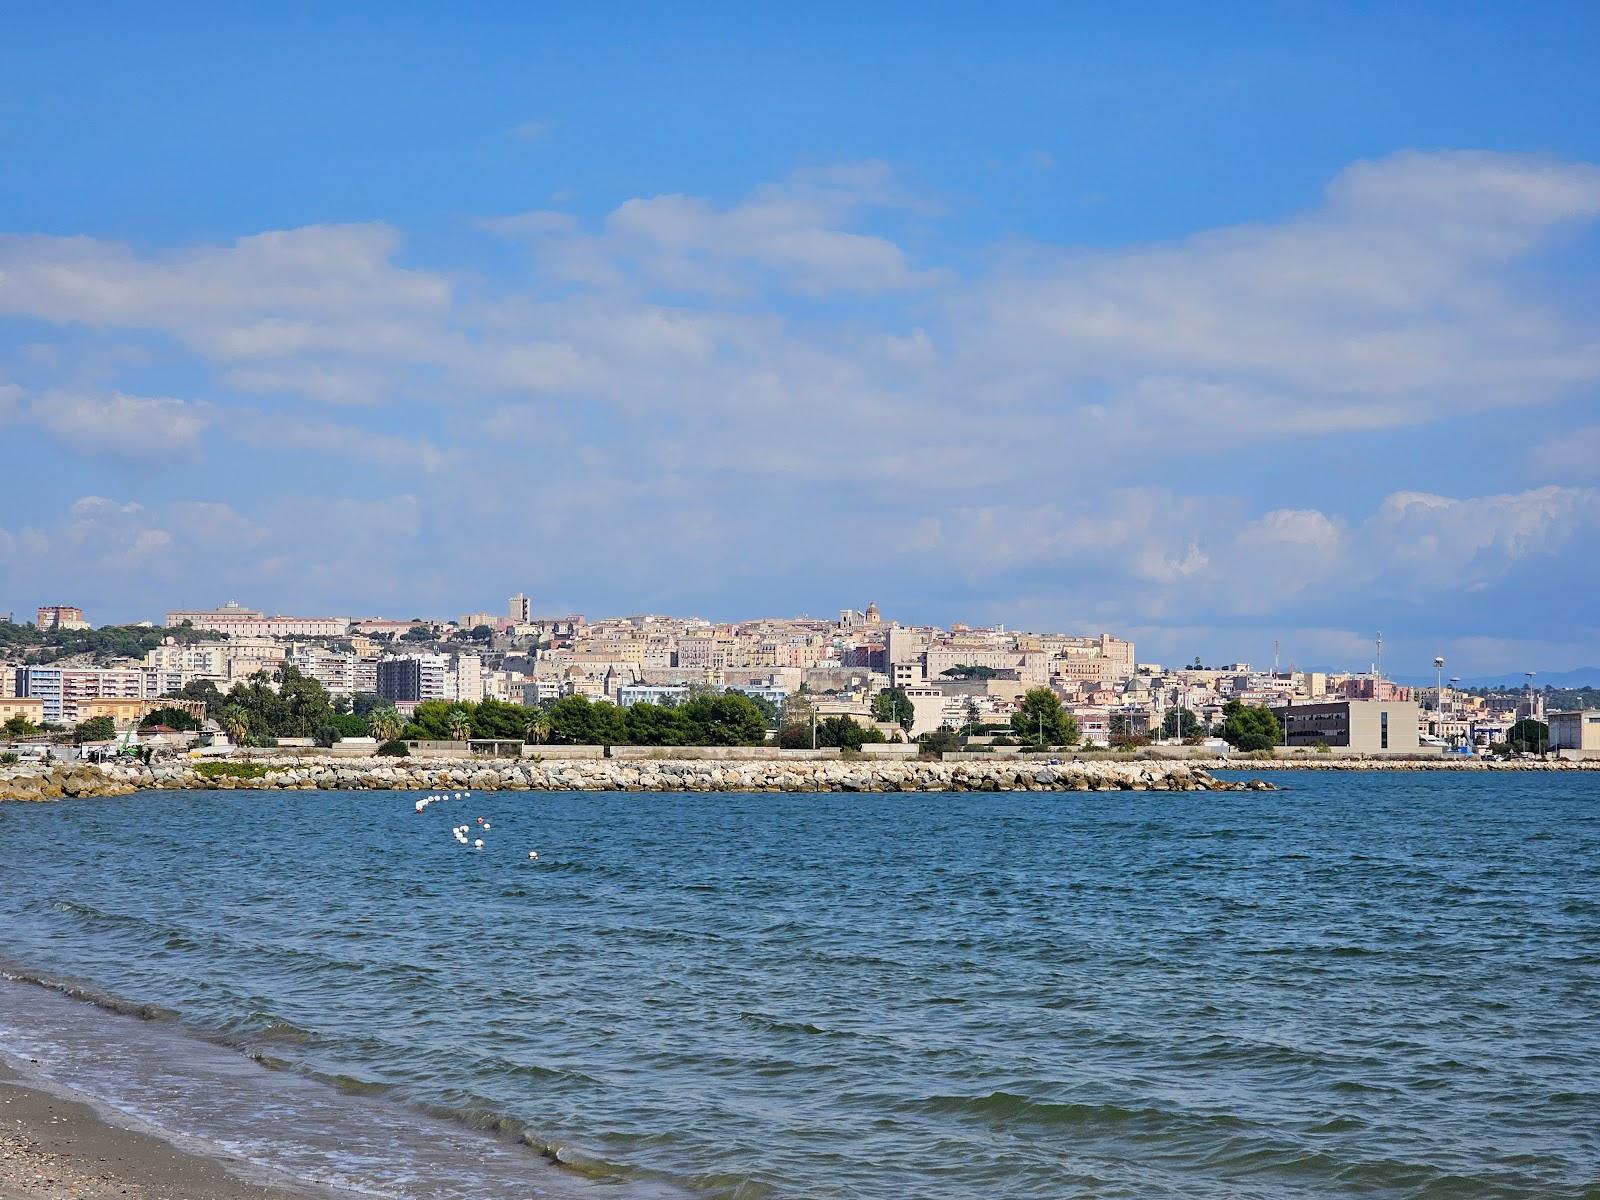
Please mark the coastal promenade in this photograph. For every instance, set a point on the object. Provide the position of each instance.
(611, 775)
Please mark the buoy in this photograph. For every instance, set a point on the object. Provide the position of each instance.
(533, 854)
(486, 825)
(478, 845)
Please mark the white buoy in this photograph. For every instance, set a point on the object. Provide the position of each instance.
(478, 845)
(486, 825)
(533, 854)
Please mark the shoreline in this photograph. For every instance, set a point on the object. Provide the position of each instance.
(56, 1144)
(766, 774)
(586, 769)
(102, 1097)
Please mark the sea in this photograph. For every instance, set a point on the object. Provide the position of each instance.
(1364, 984)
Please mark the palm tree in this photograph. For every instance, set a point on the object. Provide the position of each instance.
(538, 730)
(385, 723)
(460, 724)
(235, 723)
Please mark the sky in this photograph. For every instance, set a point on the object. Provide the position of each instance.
(1272, 324)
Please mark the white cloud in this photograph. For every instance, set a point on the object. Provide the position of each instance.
(117, 426)
(1390, 304)
(1431, 541)
(793, 233)
(1574, 453)
(317, 288)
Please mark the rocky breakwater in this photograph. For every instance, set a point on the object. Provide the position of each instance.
(614, 775)
(31, 782)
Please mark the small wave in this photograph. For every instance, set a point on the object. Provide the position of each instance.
(351, 1085)
(78, 991)
(1010, 1107)
(264, 1027)
(778, 1025)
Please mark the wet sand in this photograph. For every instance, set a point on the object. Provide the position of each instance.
(56, 1148)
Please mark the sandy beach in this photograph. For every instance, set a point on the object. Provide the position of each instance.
(57, 1148)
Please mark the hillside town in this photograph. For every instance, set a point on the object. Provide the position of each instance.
(863, 672)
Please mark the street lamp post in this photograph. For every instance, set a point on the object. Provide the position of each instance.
(1455, 713)
(1530, 675)
(1438, 696)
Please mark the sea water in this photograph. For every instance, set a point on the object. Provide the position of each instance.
(1378, 984)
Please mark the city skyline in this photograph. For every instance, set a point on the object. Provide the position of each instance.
(1210, 336)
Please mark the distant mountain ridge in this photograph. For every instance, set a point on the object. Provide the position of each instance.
(1579, 677)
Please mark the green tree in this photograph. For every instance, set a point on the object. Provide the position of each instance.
(768, 710)
(95, 729)
(846, 733)
(235, 722)
(206, 692)
(430, 722)
(893, 705)
(1528, 736)
(537, 727)
(939, 741)
(962, 671)
(306, 704)
(1041, 721)
(385, 723)
(174, 718)
(578, 721)
(20, 726)
(417, 633)
(498, 719)
(1251, 727)
(794, 721)
(460, 721)
(655, 725)
(1180, 722)
(347, 725)
(972, 712)
(731, 719)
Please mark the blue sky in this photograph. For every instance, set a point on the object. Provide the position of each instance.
(1279, 322)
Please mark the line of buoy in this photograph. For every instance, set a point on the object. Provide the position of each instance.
(460, 832)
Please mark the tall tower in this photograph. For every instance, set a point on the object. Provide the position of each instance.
(519, 609)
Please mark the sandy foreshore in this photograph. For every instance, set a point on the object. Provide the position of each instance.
(53, 1147)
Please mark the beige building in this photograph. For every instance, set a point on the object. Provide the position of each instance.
(235, 620)
(1575, 734)
(1362, 726)
(22, 706)
(126, 714)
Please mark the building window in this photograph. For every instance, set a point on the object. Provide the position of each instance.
(1383, 730)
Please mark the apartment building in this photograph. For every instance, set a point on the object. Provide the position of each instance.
(65, 690)
(418, 677)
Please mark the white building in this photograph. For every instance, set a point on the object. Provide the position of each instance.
(235, 620)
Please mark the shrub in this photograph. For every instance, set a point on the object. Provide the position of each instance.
(395, 749)
(939, 741)
(1323, 748)
(95, 729)
(7, 758)
(232, 770)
